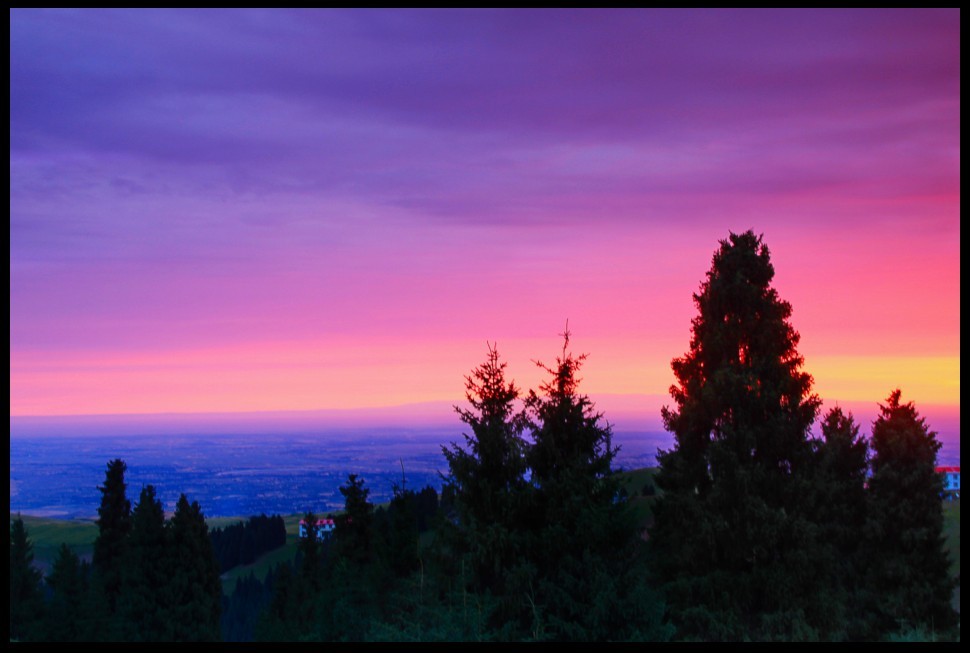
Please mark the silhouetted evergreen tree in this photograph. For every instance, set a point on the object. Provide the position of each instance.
(353, 532)
(589, 582)
(487, 475)
(839, 494)
(146, 593)
(278, 622)
(398, 527)
(241, 610)
(196, 591)
(356, 576)
(114, 525)
(66, 609)
(734, 543)
(26, 602)
(424, 610)
(310, 552)
(909, 577)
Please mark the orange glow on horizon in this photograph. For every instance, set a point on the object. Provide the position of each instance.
(347, 375)
(923, 379)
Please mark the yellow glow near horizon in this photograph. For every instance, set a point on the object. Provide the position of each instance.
(923, 379)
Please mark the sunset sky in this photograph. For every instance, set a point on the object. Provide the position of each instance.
(291, 210)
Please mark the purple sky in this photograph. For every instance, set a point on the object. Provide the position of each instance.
(295, 210)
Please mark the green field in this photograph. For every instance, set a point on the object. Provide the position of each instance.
(47, 534)
(634, 482)
(264, 563)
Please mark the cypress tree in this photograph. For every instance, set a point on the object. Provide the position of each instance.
(909, 579)
(732, 541)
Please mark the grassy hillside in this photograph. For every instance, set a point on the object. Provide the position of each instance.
(47, 534)
(264, 563)
(634, 482)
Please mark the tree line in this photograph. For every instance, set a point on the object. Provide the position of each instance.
(150, 579)
(761, 530)
(240, 544)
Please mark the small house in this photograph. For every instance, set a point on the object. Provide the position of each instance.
(951, 481)
(323, 528)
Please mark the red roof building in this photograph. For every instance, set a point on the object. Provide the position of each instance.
(324, 527)
(951, 478)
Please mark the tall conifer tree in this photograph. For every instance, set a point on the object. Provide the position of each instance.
(732, 542)
(353, 533)
(146, 587)
(839, 498)
(196, 591)
(487, 474)
(25, 587)
(67, 609)
(910, 574)
(114, 525)
(589, 583)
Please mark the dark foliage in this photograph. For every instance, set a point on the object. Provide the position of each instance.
(487, 477)
(147, 604)
(587, 580)
(241, 544)
(909, 578)
(838, 496)
(732, 541)
(69, 616)
(162, 577)
(196, 590)
(241, 610)
(25, 586)
(114, 525)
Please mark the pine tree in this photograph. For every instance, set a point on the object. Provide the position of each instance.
(910, 575)
(569, 437)
(66, 611)
(25, 589)
(399, 544)
(487, 474)
(732, 543)
(838, 486)
(146, 589)
(114, 524)
(277, 622)
(309, 579)
(356, 577)
(310, 553)
(589, 582)
(354, 537)
(196, 591)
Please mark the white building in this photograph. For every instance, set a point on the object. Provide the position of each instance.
(324, 527)
(951, 480)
